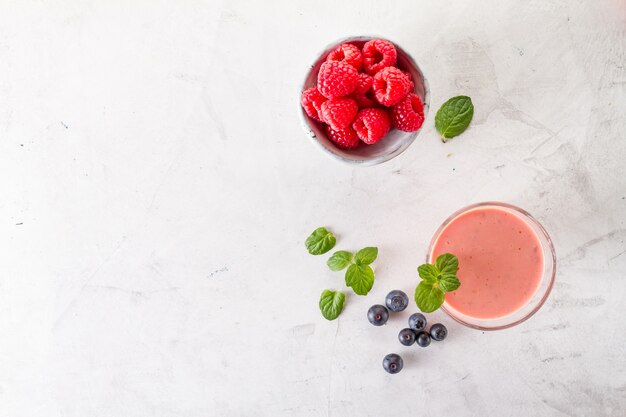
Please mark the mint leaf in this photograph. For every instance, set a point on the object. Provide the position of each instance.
(454, 117)
(339, 260)
(447, 264)
(320, 241)
(360, 278)
(366, 256)
(428, 273)
(331, 304)
(437, 280)
(428, 297)
(449, 283)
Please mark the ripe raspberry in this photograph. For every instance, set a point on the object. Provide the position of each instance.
(378, 54)
(347, 53)
(336, 79)
(408, 115)
(344, 139)
(390, 86)
(312, 101)
(410, 78)
(365, 100)
(364, 84)
(339, 112)
(371, 125)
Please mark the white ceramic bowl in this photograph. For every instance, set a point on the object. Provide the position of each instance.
(391, 145)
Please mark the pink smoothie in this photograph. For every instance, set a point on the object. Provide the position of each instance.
(500, 262)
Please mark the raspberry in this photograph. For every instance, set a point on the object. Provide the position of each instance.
(371, 125)
(344, 139)
(390, 85)
(364, 83)
(410, 78)
(312, 101)
(408, 114)
(365, 100)
(347, 53)
(336, 79)
(339, 112)
(378, 54)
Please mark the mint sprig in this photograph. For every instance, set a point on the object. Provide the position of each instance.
(331, 304)
(359, 275)
(320, 241)
(339, 260)
(454, 116)
(437, 280)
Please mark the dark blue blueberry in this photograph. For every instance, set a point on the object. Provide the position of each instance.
(406, 337)
(423, 339)
(438, 332)
(417, 322)
(377, 315)
(396, 301)
(393, 363)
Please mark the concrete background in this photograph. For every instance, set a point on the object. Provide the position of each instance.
(156, 189)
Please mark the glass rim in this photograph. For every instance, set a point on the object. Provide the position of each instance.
(550, 248)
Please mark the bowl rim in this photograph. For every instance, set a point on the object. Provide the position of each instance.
(550, 248)
(304, 118)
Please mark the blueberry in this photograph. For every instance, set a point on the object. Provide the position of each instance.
(377, 315)
(396, 301)
(406, 337)
(423, 339)
(438, 332)
(417, 322)
(393, 363)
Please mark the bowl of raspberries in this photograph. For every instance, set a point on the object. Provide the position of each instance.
(364, 100)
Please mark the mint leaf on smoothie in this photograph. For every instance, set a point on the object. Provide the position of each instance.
(428, 297)
(437, 279)
(360, 278)
(340, 260)
(454, 116)
(331, 304)
(427, 272)
(320, 241)
(366, 256)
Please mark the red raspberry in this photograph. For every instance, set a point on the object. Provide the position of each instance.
(371, 125)
(410, 77)
(347, 53)
(378, 54)
(390, 85)
(312, 101)
(336, 79)
(408, 115)
(344, 139)
(364, 84)
(365, 100)
(339, 112)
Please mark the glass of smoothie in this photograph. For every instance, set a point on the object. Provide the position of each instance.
(507, 264)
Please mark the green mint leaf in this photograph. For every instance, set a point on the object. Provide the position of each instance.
(449, 283)
(331, 304)
(447, 264)
(428, 297)
(428, 273)
(360, 278)
(454, 117)
(320, 241)
(339, 260)
(366, 256)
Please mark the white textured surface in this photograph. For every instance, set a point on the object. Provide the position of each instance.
(156, 189)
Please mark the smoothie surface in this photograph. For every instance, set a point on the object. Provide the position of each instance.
(500, 262)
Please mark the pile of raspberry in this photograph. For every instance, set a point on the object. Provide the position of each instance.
(361, 94)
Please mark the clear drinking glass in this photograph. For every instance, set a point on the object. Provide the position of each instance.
(545, 285)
